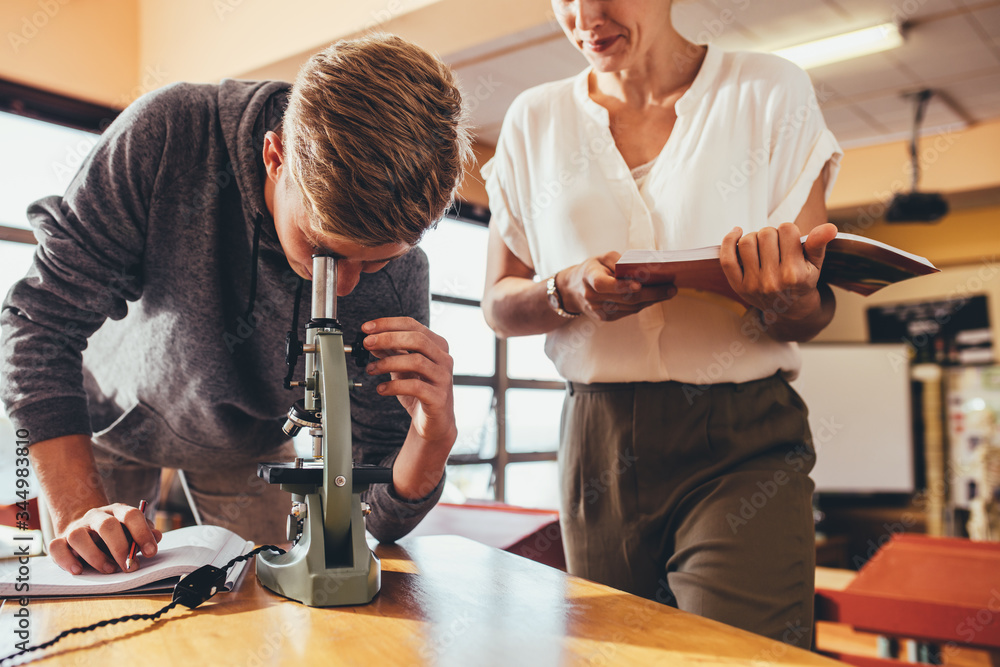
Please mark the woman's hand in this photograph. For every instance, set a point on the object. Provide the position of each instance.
(97, 538)
(591, 289)
(777, 273)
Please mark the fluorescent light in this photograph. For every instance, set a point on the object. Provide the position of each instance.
(844, 47)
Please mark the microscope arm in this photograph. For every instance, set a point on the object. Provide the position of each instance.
(336, 419)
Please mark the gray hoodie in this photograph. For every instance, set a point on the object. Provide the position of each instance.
(147, 317)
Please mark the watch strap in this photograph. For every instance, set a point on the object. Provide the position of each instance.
(555, 299)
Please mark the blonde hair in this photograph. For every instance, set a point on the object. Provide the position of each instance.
(376, 139)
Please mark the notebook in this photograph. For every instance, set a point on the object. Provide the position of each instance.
(180, 551)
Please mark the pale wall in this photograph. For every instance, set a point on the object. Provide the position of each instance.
(247, 38)
(965, 245)
(850, 323)
(473, 190)
(88, 49)
(950, 162)
(963, 237)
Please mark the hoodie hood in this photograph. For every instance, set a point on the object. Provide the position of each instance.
(247, 111)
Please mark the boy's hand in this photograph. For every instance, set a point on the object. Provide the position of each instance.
(98, 539)
(420, 372)
(88, 529)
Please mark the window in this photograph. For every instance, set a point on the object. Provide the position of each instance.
(41, 159)
(508, 395)
(46, 157)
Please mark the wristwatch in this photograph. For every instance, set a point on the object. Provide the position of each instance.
(555, 299)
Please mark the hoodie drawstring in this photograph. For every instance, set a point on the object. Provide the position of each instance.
(258, 223)
(292, 344)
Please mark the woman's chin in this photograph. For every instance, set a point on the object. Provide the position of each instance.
(605, 64)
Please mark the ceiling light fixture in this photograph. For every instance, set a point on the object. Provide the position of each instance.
(844, 47)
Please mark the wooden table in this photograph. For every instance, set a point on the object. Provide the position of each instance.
(444, 601)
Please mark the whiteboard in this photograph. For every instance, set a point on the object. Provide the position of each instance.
(858, 397)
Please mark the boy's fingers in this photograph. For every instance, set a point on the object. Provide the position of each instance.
(64, 557)
(139, 529)
(81, 541)
(432, 346)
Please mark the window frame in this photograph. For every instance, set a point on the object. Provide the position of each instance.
(48, 107)
(500, 381)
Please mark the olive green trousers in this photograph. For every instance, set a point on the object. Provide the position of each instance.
(696, 496)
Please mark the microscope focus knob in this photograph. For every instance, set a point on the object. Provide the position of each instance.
(361, 356)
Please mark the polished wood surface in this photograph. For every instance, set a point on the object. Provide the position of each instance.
(444, 601)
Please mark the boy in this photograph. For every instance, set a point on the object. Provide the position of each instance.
(150, 330)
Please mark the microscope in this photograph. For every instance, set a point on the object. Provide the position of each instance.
(330, 563)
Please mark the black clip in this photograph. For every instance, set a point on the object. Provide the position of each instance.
(199, 585)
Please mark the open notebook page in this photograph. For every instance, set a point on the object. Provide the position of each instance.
(180, 551)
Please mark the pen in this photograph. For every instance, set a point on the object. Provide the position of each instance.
(131, 551)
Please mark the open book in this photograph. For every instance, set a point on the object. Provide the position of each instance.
(180, 551)
(852, 262)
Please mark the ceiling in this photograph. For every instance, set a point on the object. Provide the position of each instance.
(951, 46)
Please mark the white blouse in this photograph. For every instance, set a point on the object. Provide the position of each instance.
(748, 144)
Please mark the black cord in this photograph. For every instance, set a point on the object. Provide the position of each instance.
(292, 344)
(182, 595)
(250, 554)
(100, 624)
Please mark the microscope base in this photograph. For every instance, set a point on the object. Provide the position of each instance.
(302, 573)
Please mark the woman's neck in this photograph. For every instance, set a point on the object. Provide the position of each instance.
(655, 78)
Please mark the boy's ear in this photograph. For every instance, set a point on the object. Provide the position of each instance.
(274, 139)
(273, 154)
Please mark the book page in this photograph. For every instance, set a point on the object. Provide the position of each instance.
(180, 551)
(879, 244)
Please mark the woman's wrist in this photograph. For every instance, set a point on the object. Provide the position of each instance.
(555, 291)
(784, 323)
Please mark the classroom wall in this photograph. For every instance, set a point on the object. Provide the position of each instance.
(850, 323)
(85, 49)
(473, 189)
(236, 36)
(950, 162)
(249, 39)
(965, 245)
(965, 236)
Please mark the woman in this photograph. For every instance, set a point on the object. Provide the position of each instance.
(685, 454)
